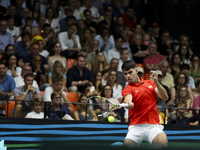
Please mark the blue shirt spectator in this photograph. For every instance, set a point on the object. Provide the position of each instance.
(109, 45)
(59, 114)
(118, 9)
(20, 50)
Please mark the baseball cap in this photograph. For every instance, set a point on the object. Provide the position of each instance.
(159, 72)
(140, 69)
(154, 25)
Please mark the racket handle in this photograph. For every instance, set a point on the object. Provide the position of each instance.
(123, 105)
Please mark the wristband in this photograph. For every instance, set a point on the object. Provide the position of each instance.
(79, 82)
(34, 73)
(24, 93)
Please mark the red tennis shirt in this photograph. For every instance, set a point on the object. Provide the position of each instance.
(144, 99)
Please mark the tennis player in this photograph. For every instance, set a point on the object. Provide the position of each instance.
(141, 98)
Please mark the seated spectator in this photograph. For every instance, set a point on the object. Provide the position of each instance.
(112, 80)
(119, 25)
(185, 54)
(195, 68)
(39, 29)
(24, 95)
(163, 119)
(39, 72)
(86, 38)
(80, 114)
(41, 44)
(69, 40)
(140, 72)
(88, 19)
(81, 26)
(165, 47)
(12, 13)
(22, 47)
(181, 79)
(7, 84)
(87, 4)
(97, 82)
(124, 55)
(57, 11)
(26, 28)
(12, 68)
(59, 111)
(3, 10)
(196, 103)
(183, 95)
(153, 60)
(58, 71)
(155, 32)
(78, 75)
(49, 36)
(67, 20)
(57, 55)
(52, 20)
(186, 68)
(5, 37)
(129, 17)
(36, 112)
(139, 51)
(19, 81)
(175, 64)
(146, 39)
(196, 92)
(99, 63)
(26, 19)
(15, 31)
(118, 8)
(143, 23)
(178, 116)
(77, 13)
(10, 49)
(34, 50)
(35, 12)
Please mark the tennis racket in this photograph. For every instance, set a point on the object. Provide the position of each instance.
(105, 105)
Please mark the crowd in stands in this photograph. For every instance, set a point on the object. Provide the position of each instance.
(38, 39)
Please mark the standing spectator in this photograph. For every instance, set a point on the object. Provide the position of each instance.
(175, 64)
(24, 95)
(129, 18)
(195, 68)
(153, 60)
(185, 54)
(7, 84)
(5, 37)
(78, 75)
(12, 68)
(15, 31)
(19, 81)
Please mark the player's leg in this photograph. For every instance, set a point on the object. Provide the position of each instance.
(129, 143)
(160, 140)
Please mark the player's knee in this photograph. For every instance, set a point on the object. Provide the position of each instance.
(129, 143)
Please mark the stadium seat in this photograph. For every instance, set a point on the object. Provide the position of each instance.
(41, 93)
(1, 56)
(70, 63)
(9, 106)
(72, 96)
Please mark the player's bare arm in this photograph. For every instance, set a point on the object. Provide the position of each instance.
(159, 90)
(128, 100)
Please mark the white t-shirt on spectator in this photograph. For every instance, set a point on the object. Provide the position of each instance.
(19, 81)
(18, 71)
(44, 53)
(35, 115)
(54, 24)
(47, 94)
(15, 31)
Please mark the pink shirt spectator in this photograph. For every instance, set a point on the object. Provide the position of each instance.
(153, 60)
(196, 102)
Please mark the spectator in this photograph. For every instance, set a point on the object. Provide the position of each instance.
(87, 4)
(178, 116)
(39, 73)
(129, 18)
(22, 47)
(168, 80)
(196, 92)
(19, 8)
(124, 55)
(15, 31)
(106, 41)
(153, 60)
(195, 69)
(140, 72)
(119, 25)
(7, 84)
(146, 39)
(97, 82)
(185, 68)
(36, 112)
(69, 19)
(39, 29)
(59, 111)
(56, 54)
(78, 75)
(26, 19)
(52, 20)
(154, 32)
(112, 80)
(19, 81)
(12, 13)
(86, 38)
(175, 64)
(34, 50)
(143, 24)
(41, 42)
(165, 47)
(57, 86)
(35, 12)
(118, 9)
(24, 95)
(80, 114)
(99, 63)
(10, 49)
(5, 37)
(26, 28)
(88, 19)
(77, 12)
(58, 71)
(138, 50)
(163, 119)
(12, 68)
(185, 54)
(3, 10)
(183, 95)
(69, 40)
(196, 103)
(81, 26)
(57, 11)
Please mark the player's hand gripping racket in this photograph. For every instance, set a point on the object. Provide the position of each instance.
(105, 105)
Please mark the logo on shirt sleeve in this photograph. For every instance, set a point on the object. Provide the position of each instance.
(150, 86)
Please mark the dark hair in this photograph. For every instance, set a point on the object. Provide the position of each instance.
(86, 85)
(46, 25)
(46, 16)
(37, 101)
(103, 29)
(34, 44)
(80, 55)
(165, 32)
(103, 89)
(194, 55)
(2, 63)
(94, 81)
(56, 12)
(9, 46)
(184, 67)
(176, 76)
(118, 37)
(54, 94)
(123, 49)
(129, 64)
(28, 75)
(70, 17)
(172, 60)
(28, 18)
(33, 9)
(79, 100)
(73, 24)
(188, 53)
(23, 29)
(86, 11)
(56, 79)
(52, 51)
(159, 101)
(182, 36)
(25, 33)
(7, 63)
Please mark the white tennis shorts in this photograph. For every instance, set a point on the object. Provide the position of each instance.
(144, 132)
